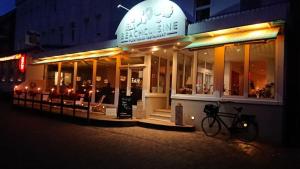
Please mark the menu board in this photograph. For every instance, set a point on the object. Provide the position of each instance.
(125, 107)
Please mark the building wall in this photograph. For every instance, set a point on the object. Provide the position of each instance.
(64, 23)
(269, 117)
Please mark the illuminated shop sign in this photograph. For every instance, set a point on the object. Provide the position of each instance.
(22, 62)
(151, 20)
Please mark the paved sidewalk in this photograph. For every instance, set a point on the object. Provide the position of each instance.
(28, 140)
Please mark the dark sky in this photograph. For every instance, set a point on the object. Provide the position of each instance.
(6, 5)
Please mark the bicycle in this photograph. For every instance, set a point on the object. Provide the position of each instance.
(243, 125)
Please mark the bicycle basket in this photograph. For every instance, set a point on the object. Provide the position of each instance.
(211, 109)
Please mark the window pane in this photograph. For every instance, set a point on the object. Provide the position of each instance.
(200, 3)
(184, 72)
(262, 70)
(234, 71)
(67, 73)
(202, 14)
(136, 85)
(84, 77)
(205, 72)
(105, 80)
(154, 74)
(52, 76)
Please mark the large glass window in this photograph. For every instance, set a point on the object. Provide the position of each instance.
(234, 70)
(158, 74)
(154, 74)
(84, 77)
(105, 80)
(67, 73)
(202, 9)
(205, 71)
(200, 3)
(52, 76)
(184, 72)
(261, 70)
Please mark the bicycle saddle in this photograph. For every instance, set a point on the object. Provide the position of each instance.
(239, 109)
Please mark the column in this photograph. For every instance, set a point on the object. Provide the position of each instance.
(174, 72)
(75, 76)
(94, 81)
(58, 78)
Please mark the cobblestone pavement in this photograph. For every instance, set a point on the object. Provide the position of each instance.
(31, 141)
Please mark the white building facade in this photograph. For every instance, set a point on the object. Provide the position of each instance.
(189, 52)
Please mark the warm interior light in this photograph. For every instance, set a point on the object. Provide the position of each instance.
(80, 56)
(155, 48)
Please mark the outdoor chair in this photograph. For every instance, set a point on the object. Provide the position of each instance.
(99, 107)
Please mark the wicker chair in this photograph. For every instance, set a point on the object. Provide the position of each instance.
(99, 107)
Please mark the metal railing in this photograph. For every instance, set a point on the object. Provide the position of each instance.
(52, 100)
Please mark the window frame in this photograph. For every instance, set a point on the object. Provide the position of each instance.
(219, 60)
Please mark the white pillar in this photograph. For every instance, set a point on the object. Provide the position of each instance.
(58, 78)
(128, 93)
(117, 81)
(174, 72)
(75, 76)
(194, 72)
(94, 80)
(168, 82)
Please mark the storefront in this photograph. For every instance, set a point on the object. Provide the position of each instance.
(12, 71)
(160, 60)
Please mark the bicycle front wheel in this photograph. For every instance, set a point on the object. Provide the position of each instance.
(210, 126)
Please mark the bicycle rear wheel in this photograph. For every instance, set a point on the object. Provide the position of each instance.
(210, 126)
(248, 132)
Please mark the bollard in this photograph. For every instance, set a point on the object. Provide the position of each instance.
(179, 114)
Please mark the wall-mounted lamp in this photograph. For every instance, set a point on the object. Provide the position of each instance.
(121, 6)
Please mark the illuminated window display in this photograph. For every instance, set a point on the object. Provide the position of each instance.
(234, 70)
(67, 73)
(84, 77)
(52, 76)
(158, 74)
(261, 70)
(105, 80)
(184, 72)
(205, 71)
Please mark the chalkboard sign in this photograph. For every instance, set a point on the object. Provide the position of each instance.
(125, 107)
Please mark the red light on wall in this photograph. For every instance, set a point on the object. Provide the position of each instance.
(22, 63)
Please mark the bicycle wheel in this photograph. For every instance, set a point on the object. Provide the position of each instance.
(248, 132)
(210, 126)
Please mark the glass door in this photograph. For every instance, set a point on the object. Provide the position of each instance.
(131, 83)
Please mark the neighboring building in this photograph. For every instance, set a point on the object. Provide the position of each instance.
(8, 71)
(163, 54)
(7, 32)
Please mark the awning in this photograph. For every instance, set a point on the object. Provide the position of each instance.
(79, 56)
(12, 57)
(269, 33)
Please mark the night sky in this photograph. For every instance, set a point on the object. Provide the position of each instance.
(6, 5)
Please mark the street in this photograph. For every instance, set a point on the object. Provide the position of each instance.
(34, 141)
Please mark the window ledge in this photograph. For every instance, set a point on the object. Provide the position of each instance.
(157, 95)
(231, 99)
(195, 97)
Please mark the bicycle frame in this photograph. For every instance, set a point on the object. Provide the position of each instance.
(233, 116)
